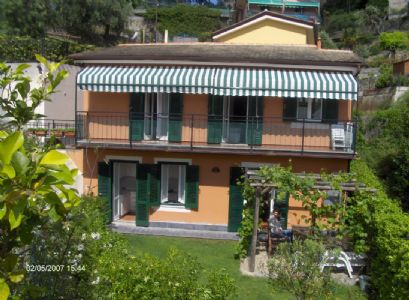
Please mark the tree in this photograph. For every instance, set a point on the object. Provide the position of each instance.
(33, 180)
(372, 19)
(90, 18)
(199, 21)
(27, 17)
(393, 41)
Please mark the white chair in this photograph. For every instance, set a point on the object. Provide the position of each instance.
(338, 136)
(342, 261)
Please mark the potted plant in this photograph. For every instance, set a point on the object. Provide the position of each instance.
(39, 131)
(57, 132)
(69, 132)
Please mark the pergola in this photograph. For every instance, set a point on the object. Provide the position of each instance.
(262, 188)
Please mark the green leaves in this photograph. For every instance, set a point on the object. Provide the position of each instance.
(9, 146)
(54, 158)
(4, 289)
(16, 213)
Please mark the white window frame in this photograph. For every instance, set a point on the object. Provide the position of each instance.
(162, 114)
(309, 109)
(165, 181)
(182, 161)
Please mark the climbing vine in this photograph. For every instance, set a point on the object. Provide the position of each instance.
(300, 188)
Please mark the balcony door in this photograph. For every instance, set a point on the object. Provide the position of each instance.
(156, 120)
(123, 189)
(235, 117)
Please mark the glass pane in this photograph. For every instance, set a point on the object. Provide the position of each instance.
(238, 120)
(316, 107)
(182, 180)
(149, 110)
(302, 109)
(173, 184)
(162, 116)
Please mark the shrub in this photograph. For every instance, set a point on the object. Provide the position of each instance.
(385, 78)
(296, 268)
(327, 42)
(23, 48)
(380, 228)
(101, 267)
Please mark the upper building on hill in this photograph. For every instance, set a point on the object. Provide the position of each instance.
(308, 10)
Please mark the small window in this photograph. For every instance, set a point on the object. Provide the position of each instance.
(173, 180)
(309, 109)
(333, 197)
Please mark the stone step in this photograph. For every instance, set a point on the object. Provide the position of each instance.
(129, 227)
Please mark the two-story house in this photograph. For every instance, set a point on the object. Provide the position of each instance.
(167, 129)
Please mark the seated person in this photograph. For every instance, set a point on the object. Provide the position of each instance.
(275, 225)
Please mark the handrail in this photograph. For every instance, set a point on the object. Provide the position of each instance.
(202, 130)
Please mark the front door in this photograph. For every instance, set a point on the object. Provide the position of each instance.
(123, 189)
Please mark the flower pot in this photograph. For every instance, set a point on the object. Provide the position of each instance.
(69, 134)
(57, 133)
(40, 132)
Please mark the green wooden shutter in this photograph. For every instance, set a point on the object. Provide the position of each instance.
(329, 111)
(136, 116)
(255, 123)
(281, 204)
(235, 199)
(192, 187)
(289, 109)
(142, 195)
(154, 185)
(175, 117)
(215, 119)
(104, 187)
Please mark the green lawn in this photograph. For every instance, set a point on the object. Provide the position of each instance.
(219, 254)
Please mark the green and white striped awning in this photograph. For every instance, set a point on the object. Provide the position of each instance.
(220, 81)
(282, 83)
(188, 80)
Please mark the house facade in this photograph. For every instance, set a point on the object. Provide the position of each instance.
(167, 130)
(301, 9)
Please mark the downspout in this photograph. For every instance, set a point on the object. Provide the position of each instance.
(75, 114)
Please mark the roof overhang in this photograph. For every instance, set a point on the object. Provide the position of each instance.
(302, 65)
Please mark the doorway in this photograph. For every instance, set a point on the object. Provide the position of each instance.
(124, 189)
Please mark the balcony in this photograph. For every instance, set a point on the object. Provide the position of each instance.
(202, 133)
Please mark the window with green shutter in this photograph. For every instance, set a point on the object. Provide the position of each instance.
(215, 119)
(310, 109)
(104, 187)
(235, 199)
(192, 187)
(136, 116)
(175, 117)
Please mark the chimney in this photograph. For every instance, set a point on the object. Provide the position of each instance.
(319, 43)
(165, 40)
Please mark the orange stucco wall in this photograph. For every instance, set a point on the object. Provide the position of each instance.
(213, 187)
(109, 120)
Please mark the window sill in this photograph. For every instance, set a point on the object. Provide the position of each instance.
(173, 208)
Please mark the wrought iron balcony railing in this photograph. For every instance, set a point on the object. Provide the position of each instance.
(213, 132)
